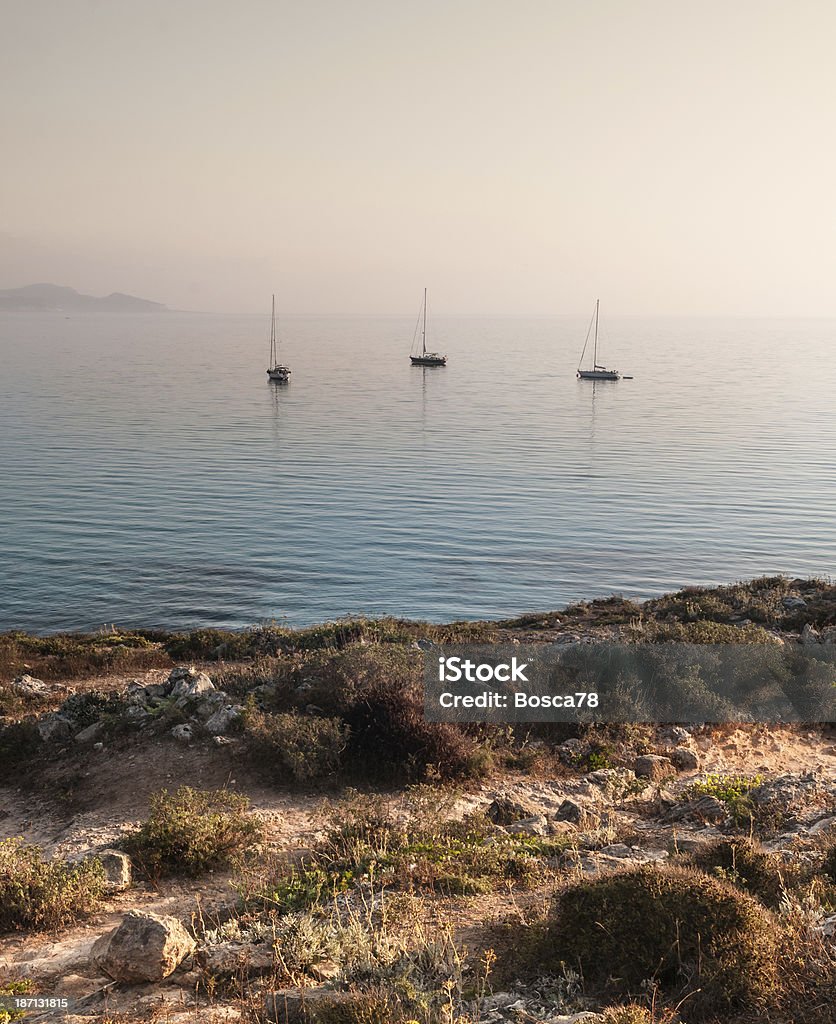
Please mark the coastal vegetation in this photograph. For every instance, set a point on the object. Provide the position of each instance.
(41, 893)
(274, 809)
(193, 831)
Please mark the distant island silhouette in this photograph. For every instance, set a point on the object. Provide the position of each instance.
(44, 298)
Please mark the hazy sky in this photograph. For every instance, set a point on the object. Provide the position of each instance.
(671, 157)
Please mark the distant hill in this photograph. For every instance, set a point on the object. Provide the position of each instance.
(52, 297)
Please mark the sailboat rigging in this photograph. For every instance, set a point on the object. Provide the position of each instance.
(597, 372)
(427, 358)
(276, 371)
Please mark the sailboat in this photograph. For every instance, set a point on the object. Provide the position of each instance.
(427, 358)
(276, 371)
(597, 372)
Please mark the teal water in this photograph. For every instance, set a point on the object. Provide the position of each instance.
(152, 476)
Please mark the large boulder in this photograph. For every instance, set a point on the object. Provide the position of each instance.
(533, 826)
(145, 947)
(654, 767)
(90, 734)
(505, 810)
(190, 683)
(685, 759)
(55, 728)
(223, 720)
(787, 793)
(28, 686)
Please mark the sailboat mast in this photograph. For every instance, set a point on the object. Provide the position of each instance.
(595, 349)
(273, 353)
(424, 328)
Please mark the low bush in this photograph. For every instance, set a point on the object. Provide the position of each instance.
(14, 988)
(390, 738)
(633, 1013)
(747, 865)
(371, 1007)
(375, 691)
(693, 936)
(732, 790)
(300, 747)
(192, 831)
(37, 893)
(19, 742)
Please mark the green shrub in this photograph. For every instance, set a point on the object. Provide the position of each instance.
(84, 709)
(732, 790)
(38, 894)
(14, 988)
(632, 1014)
(192, 831)
(694, 936)
(297, 746)
(375, 1007)
(746, 864)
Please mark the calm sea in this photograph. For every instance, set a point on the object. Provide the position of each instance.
(152, 476)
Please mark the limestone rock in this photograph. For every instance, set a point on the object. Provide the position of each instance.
(573, 812)
(28, 686)
(223, 719)
(145, 947)
(706, 809)
(192, 685)
(54, 728)
(136, 714)
(787, 792)
(676, 735)
(117, 868)
(183, 733)
(685, 759)
(90, 734)
(571, 751)
(505, 810)
(653, 767)
(236, 959)
(534, 826)
(205, 705)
